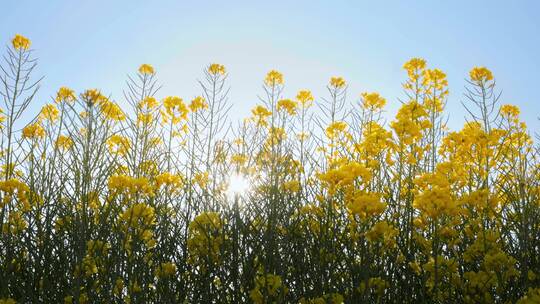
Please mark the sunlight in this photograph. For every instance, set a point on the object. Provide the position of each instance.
(238, 185)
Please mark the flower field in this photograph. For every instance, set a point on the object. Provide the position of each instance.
(310, 199)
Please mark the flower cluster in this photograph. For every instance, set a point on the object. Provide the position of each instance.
(101, 203)
(20, 43)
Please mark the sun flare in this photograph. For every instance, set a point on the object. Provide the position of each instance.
(238, 185)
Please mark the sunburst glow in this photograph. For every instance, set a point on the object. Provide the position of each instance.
(238, 185)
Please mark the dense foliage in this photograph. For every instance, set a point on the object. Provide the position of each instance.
(309, 200)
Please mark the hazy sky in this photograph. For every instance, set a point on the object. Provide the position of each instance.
(95, 44)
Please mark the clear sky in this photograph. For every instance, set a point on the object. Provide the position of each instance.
(95, 44)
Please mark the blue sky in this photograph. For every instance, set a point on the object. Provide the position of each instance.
(95, 44)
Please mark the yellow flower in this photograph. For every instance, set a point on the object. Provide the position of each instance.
(95, 249)
(260, 113)
(332, 298)
(175, 109)
(337, 82)
(118, 144)
(372, 101)
(49, 112)
(16, 223)
(33, 131)
(65, 94)
(198, 103)
(382, 231)
(305, 98)
(410, 121)
(435, 78)
(414, 66)
(366, 204)
(147, 104)
(335, 128)
(201, 178)
(138, 215)
(239, 159)
(415, 267)
(172, 181)
(8, 301)
(292, 186)
(118, 286)
(63, 142)
(134, 287)
(344, 175)
(273, 78)
(376, 139)
(275, 136)
(216, 68)
(205, 238)
(433, 197)
(2, 118)
(119, 184)
(268, 285)
(67, 300)
(480, 75)
(93, 96)
(144, 119)
(508, 110)
(146, 69)
(435, 90)
(287, 105)
(166, 270)
(378, 285)
(14, 187)
(532, 297)
(111, 111)
(20, 42)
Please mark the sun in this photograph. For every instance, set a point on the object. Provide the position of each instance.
(238, 185)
